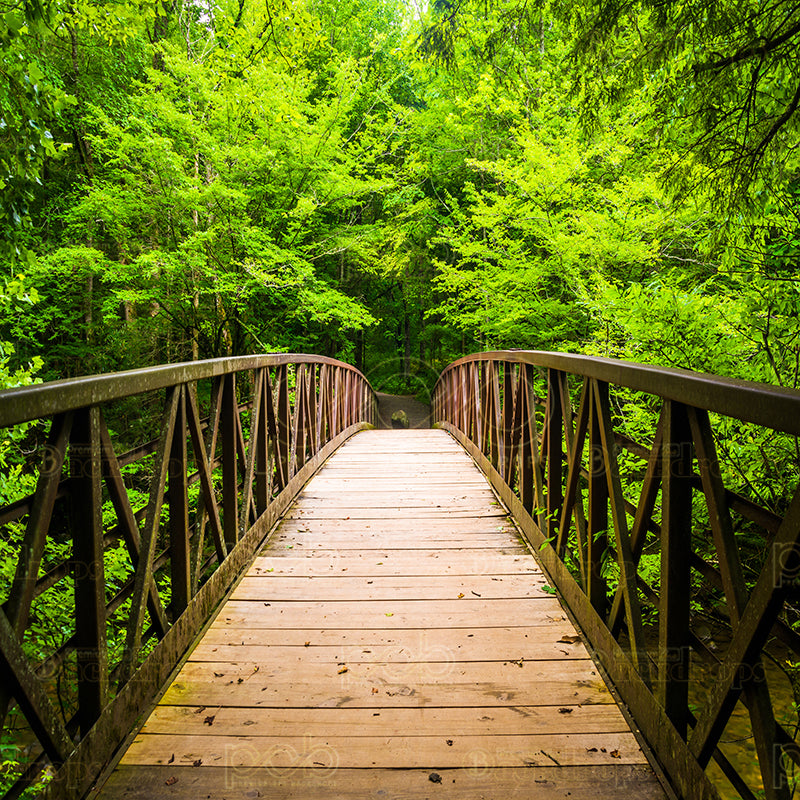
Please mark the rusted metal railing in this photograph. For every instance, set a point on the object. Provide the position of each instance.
(548, 430)
(150, 527)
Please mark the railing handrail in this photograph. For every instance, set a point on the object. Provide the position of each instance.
(775, 407)
(27, 403)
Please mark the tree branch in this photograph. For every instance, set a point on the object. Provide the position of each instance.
(759, 48)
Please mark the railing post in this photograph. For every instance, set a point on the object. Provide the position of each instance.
(312, 410)
(322, 413)
(555, 452)
(261, 444)
(507, 420)
(597, 535)
(529, 469)
(495, 426)
(676, 547)
(230, 474)
(178, 501)
(299, 420)
(284, 427)
(90, 585)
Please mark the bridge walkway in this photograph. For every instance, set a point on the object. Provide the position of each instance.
(392, 639)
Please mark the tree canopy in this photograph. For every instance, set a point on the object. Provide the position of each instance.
(397, 185)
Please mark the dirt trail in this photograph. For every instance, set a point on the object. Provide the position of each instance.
(419, 414)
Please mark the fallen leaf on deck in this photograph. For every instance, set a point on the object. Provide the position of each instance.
(343, 670)
(171, 758)
(171, 781)
(565, 710)
(435, 777)
(460, 595)
(568, 639)
(615, 754)
(197, 762)
(209, 720)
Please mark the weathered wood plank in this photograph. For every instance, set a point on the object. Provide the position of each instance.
(386, 554)
(398, 528)
(360, 542)
(391, 752)
(323, 510)
(456, 613)
(446, 684)
(443, 722)
(405, 644)
(478, 781)
(375, 563)
(346, 588)
(431, 650)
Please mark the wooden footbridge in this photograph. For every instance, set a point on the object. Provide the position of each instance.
(228, 584)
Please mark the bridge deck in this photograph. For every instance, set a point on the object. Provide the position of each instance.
(392, 639)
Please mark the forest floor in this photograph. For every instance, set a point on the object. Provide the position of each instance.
(419, 414)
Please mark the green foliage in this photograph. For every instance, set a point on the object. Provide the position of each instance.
(184, 181)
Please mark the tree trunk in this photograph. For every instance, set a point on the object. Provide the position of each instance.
(407, 348)
(87, 308)
(360, 350)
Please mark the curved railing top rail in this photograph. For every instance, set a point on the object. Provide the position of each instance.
(774, 407)
(27, 403)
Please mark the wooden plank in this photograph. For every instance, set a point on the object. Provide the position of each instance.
(406, 496)
(388, 552)
(422, 562)
(323, 510)
(395, 752)
(479, 780)
(409, 471)
(380, 544)
(456, 613)
(256, 675)
(317, 646)
(334, 479)
(352, 693)
(379, 541)
(398, 527)
(534, 642)
(346, 588)
(441, 722)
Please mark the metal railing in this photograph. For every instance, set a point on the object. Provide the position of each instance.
(645, 542)
(141, 534)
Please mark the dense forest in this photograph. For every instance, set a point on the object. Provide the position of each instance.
(396, 185)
